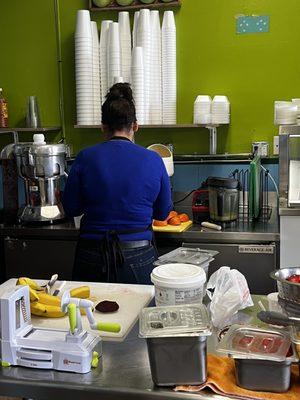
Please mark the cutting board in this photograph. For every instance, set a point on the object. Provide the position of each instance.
(172, 228)
(131, 299)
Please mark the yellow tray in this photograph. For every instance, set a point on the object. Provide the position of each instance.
(172, 228)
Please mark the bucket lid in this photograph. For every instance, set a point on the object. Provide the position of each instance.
(178, 275)
(180, 320)
(187, 255)
(248, 342)
(223, 183)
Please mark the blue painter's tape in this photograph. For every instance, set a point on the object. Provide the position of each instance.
(252, 24)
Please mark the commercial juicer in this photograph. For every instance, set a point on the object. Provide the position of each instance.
(22, 344)
(42, 168)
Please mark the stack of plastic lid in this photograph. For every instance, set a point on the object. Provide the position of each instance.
(84, 69)
(170, 321)
(137, 83)
(202, 110)
(96, 75)
(155, 111)
(125, 45)
(169, 86)
(285, 113)
(103, 58)
(113, 53)
(220, 110)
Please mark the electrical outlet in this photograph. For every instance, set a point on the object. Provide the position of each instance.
(252, 24)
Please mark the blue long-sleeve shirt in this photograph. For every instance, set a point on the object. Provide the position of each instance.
(118, 185)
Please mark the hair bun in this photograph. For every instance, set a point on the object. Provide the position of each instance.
(120, 91)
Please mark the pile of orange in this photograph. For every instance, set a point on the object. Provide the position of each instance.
(173, 219)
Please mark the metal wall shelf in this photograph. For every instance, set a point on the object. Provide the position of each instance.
(136, 5)
(41, 130)
(211, 128)
(175, 126)
(15, 131)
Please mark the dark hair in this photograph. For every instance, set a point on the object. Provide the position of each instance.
(118, 110)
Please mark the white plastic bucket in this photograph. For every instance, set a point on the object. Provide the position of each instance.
(178, 284)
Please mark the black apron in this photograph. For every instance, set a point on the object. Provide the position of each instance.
(111, 248)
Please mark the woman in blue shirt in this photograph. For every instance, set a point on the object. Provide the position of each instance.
(119, 187)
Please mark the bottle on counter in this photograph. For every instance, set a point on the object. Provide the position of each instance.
(3, 111)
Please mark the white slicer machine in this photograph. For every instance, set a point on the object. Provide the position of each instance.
(24, 345)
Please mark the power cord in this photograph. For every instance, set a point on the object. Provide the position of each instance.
(185, 197)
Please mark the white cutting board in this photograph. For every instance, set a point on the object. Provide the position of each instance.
(131, 299)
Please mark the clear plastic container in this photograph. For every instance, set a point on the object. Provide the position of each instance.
(260, 355)
(176, 339)
(174, 320)
(249, 342)
(295, 334)
(185, 255)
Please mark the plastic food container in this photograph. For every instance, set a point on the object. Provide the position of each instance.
(178, 284)
(260, 355)
(295, 333)
(176, 339)
(187, 255)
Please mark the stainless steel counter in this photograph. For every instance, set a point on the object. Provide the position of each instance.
(258, 232)
(125, 376)
(236, 233)
(289, 212)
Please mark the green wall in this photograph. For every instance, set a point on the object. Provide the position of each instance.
(252, 70)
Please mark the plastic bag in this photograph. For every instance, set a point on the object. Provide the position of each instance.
(231, 294)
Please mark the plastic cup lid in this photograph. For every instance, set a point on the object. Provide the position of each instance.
(169, 321)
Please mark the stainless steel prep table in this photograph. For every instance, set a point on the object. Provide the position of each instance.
(243, 232)
(125, 376)
(25, 247)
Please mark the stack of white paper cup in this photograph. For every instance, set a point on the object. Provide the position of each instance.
(84, 69)
(113, 53)
(137, 83)
(96, 75)
(103, 58)
(143, 39)
(134, 30)
(155, 70)
(125, 45)
(169, 68)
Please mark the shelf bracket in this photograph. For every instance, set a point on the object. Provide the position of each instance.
(213, 139)
(15, 135)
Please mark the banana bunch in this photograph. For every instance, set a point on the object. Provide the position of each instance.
(46, 305)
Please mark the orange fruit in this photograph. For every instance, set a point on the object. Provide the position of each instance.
(174, 221)
(172, 214)
(160, 223)
(183, 217)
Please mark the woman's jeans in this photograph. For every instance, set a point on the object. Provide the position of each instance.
(89, 264)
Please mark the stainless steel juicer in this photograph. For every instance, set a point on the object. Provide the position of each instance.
(41, 166)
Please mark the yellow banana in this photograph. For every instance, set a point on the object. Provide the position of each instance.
(33, 295)
(46, 310)
(47, 299)
(30, 282)
(81, 292)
